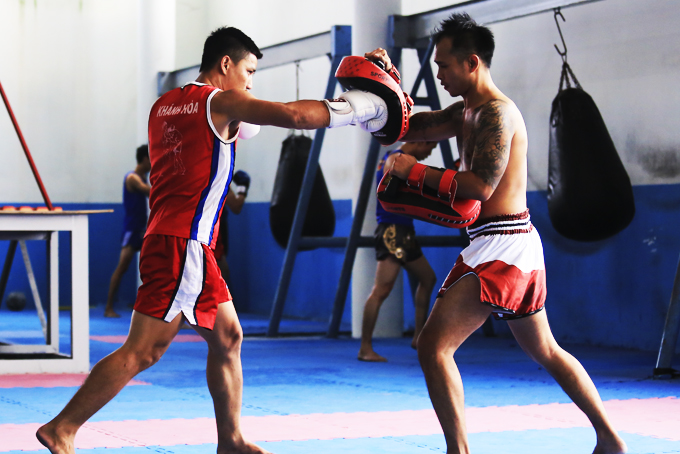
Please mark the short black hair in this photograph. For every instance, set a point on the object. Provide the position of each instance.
(467, 36)
(227, 41)
(142, 152)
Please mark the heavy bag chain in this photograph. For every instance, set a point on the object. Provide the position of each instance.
(566, 73)
(566, 69)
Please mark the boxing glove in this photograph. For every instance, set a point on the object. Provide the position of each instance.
(247, 130)
(242, 181)
(357, 107)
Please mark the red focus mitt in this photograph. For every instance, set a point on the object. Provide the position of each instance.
(362, 74)
(412, 198)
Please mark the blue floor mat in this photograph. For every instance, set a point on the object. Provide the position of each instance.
(307, 374)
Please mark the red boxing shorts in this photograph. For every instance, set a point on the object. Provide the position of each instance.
(180, 275)
(506, 255)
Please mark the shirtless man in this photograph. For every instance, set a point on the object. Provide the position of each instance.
(396, 247)
(492, 141)
(192, 144)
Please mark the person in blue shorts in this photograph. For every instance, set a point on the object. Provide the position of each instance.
(135, 192)
(396, 247)
(234, 201)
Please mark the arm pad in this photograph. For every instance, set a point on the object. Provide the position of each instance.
(412, 198)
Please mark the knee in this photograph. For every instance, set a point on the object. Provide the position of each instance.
(430, 352)
(429, 281)
(546, 356)
(139, 360)
(432, 283)
(381, 291)
(152, 358)
(428, 357)
(235, 338)
(230, 344)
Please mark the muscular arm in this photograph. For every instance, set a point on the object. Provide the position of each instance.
(427, 126)
(239, 105)
(435, 126)
(493, 136)
(134, 183)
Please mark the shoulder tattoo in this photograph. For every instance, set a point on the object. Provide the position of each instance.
(492, 141)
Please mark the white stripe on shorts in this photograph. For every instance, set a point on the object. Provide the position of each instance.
(191, 283)
(523, 250)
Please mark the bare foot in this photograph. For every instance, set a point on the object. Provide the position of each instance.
(371, 356)
(48, 437)
(414, 343)
(110, 313)
(614, 445)
(245, 447)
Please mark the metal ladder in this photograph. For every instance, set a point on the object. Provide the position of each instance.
(669, 338)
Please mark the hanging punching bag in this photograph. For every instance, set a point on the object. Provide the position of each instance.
(590, 197)
(320, 218)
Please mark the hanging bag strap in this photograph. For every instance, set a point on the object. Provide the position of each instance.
(568, 74)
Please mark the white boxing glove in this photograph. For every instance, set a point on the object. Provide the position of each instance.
(247, 130)
(357, 107)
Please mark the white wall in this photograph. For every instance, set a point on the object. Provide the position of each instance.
(69, 70)
(525, 67)
(626, 55)
(279, 22)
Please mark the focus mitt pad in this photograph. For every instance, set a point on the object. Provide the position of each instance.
(413, 199)
(362, 74)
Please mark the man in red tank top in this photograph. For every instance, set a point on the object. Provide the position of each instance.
(193, 131)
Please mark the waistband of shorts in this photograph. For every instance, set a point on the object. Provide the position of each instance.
(506, 224)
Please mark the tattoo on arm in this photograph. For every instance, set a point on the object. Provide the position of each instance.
(426, 120)
(492, 142)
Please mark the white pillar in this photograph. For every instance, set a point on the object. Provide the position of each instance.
(155, 52)
(369, 31)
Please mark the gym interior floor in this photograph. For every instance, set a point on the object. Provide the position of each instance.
(308, 394)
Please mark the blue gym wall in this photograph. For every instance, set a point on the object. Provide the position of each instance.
(255, 261)
(104, 247)
(613, 292)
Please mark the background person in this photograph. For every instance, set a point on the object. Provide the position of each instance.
(135, 192)
(234, 201)
(396, 247)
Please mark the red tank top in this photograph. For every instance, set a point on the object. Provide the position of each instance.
(191, 165)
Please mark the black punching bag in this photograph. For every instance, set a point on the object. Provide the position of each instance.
(590, 197)
(320, 218)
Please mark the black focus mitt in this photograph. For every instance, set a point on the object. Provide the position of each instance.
(242, 181)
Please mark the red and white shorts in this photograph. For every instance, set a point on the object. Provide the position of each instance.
(180, 275)
(506, 255)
